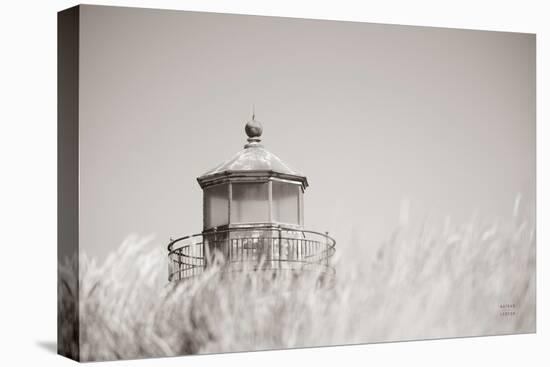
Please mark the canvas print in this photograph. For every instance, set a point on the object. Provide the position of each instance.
(231, 183)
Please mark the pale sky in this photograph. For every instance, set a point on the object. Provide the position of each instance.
(370, 113)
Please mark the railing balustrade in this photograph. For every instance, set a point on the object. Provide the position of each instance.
(251, 248)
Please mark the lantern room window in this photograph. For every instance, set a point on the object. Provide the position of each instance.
(286, 202)
(250, 202)
(216, 205)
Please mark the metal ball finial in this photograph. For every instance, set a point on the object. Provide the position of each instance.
(253, 130)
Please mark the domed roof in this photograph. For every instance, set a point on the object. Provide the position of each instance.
(254, 158)
(253, 161)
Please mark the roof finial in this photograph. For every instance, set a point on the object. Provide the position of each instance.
(253, 129)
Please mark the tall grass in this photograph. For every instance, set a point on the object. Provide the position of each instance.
(431, 282)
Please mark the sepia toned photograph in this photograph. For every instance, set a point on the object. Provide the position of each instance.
(234, 183)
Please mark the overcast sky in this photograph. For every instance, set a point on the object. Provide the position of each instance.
(370, 113)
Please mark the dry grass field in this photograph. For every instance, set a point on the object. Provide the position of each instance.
(471, 279)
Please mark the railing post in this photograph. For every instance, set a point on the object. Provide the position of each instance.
(179, 265)
(170, 268)
(170, 264)
(280, 246)
(326, 247)
(212, 252)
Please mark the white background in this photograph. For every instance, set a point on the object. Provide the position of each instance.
(28, 181)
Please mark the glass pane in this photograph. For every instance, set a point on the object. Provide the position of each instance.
(286, 197)
(250, 203)
(216, 206)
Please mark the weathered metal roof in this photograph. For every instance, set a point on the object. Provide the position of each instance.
(253, 161)
(254, 158)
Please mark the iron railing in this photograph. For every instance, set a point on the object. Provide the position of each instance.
(251, 248)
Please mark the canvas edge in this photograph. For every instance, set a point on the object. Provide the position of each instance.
(68, 43)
